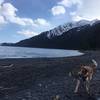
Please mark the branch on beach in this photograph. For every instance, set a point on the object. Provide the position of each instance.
(7, 66)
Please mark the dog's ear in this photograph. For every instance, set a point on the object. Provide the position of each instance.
(82, 67)
(94, 62)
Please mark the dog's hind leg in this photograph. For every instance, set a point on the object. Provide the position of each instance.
(87, 86)
(77, 86)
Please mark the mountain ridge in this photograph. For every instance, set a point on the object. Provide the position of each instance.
(77, 35)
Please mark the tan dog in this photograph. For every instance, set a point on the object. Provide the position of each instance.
(85, 75)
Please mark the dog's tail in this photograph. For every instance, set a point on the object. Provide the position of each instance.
(95, 63)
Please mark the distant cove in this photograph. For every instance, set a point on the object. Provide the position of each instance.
(23, 52)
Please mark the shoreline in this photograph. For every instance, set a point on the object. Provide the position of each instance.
(43, 78)
(20, 52)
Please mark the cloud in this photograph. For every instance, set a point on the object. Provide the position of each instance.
(57, 10)
(89, 10)
(2, 20)
(63, 4)
(78, 18)
(27, 33)
(69, 3)
(1, 1)
(42, 22)
(78, 9)
(8, 12)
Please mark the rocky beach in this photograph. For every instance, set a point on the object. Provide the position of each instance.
(46, 78)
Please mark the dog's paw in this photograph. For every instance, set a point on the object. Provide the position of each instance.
(75, 92)
(70, 74)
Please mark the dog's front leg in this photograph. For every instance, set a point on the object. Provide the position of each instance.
(77, 86)
(87, 86)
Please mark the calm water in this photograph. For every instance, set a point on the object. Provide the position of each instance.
(22, 52)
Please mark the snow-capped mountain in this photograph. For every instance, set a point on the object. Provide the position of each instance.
(68, 26)
(76, 35)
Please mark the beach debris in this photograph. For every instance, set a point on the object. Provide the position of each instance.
(53, 83)
(70, 74)
(7, 66)
(46, 86)
(57, 97)
(98, 99)
(40, 84)
(6, 96)
(29, 95)
(6, 88)
(23, 99)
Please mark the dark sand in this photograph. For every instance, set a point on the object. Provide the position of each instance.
(44, 78)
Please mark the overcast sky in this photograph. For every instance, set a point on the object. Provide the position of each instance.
(20, 19)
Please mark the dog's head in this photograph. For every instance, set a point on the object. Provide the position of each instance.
(83, 70)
